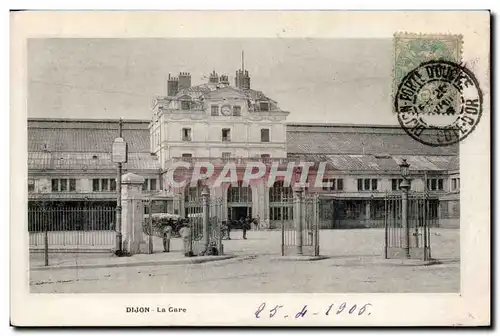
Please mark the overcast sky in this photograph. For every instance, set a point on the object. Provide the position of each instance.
(316, 80)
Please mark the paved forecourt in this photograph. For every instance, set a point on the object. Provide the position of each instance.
(358, 243)
(355, 265)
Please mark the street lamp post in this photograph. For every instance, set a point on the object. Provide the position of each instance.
(150, 224)
(119, 156)
(405, 187)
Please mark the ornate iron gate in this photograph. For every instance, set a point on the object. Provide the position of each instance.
(196, 212)
(412, 240)
(300, 233)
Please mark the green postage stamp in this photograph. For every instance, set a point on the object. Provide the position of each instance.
(437, 100)
(411, 50)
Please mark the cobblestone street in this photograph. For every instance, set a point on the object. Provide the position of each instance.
(355, 265)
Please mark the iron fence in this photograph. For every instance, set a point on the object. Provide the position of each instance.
(195, 212)
(410, 239)
(303, 240)
(72, 227)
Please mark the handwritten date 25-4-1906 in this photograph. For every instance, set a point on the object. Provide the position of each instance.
(278, 311)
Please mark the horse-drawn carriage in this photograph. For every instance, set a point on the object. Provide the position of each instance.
(229, 225)
(159, 223)
(161, 220)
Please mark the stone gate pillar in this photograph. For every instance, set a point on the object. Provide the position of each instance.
(205, 196)
(298, 217)
(132, 214)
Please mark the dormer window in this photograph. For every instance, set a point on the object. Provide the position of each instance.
(214, 110)
(264, 106)
(185, 105)
(236, 111)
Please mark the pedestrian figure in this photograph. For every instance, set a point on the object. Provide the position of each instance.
(246, 226)
(228, 225)
(167, 235)
(256, 222)
(185, 233)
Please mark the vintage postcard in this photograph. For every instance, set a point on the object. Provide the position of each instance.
(250, 168)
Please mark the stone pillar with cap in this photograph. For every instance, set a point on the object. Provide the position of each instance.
(205, 195)
(133, 214)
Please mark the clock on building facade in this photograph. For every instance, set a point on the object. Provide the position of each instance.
(226, 110)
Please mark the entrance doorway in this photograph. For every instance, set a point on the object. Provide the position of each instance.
(239, 202)
(239, 212)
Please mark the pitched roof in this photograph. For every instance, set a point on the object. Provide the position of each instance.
(72, 144)
(373, 163)
(211, 87)
(206, 89)
(349, 139)
(85, 139)
(87, 161)
(81, 145)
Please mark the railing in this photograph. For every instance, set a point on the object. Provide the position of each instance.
(72, 228)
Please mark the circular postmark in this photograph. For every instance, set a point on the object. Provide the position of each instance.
(439, 103)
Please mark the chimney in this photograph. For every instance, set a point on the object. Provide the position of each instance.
(214, 78)
(246, 81)
(237, 80)
(242, 79)
(184, 80)
(224, 79)
(172, 86)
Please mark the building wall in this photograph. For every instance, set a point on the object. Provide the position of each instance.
(206, 130)
(43, 183)
(206, 139)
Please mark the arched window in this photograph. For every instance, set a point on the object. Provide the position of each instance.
(279, 193)
(239, 194)
(280, 202)
(193, 194)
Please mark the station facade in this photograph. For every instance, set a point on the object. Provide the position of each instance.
(69, 161)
